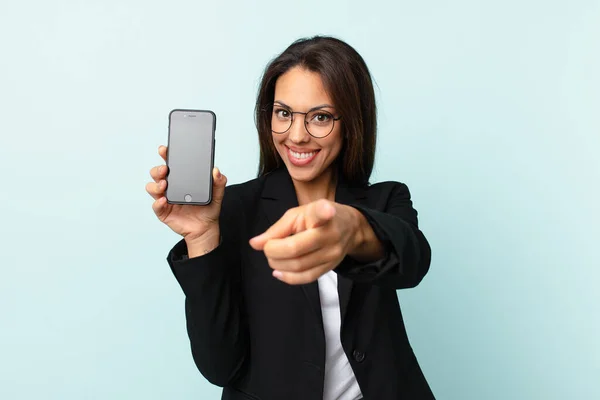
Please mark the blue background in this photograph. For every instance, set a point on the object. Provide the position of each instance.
(489, 111)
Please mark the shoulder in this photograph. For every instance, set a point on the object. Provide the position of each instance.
(387, 189)
(271, 185)
(386, 195)
(239, 201)
(246, 190)
(244, 197)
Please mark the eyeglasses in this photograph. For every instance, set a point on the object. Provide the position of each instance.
(318, 123)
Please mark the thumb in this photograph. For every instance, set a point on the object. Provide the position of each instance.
(319, 213)
(219, 183)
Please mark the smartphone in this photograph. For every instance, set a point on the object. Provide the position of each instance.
(190, 156)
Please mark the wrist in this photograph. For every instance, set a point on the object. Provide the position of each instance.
(200, 244)
(358, 232)
(366, 247)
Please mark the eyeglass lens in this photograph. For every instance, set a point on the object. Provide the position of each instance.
(319, 123)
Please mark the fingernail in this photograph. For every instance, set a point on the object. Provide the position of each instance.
(277, 274)
(218, 174)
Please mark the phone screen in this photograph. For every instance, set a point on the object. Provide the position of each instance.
(190, 156)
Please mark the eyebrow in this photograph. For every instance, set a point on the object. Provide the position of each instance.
(312, 109)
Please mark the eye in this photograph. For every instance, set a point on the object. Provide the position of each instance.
(282, 113)
(320, 118)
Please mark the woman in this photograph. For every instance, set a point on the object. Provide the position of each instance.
(290, 279)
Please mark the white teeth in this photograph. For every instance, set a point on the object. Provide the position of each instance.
(302, 156)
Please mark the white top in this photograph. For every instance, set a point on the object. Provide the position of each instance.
(340, 382)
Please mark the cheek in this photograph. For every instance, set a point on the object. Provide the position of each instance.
(277, 139)
(278, 143)
(274, 140)
(335, 144)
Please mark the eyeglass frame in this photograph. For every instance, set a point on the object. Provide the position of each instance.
(334, 118)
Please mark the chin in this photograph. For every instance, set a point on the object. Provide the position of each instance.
(302, 175)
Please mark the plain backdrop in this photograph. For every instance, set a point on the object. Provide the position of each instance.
(489, 111)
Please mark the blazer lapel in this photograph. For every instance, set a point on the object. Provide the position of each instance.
(279, 195)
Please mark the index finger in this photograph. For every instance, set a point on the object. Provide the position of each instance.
(319, 213)
(300, 244)
(280, 229)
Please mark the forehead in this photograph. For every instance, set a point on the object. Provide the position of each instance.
(301, 89)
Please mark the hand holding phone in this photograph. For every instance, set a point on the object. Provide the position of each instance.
(199, 225)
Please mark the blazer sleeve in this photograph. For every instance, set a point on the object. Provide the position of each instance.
(407, 251)
(216, 325)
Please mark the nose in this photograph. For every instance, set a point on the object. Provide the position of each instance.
(298, 132)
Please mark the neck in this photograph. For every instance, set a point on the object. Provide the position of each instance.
(322, 187)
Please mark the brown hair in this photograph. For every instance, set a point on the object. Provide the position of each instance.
(348, 81)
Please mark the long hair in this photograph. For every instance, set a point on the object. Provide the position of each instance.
(348, 82)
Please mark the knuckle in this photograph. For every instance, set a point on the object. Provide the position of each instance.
(322, 202)
(268, 250)
(296, 281)
(295, 265)
(292, 247)
(291, 279)
(337, 251)
(336, 231)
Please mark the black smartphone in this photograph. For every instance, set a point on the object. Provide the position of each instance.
(190, 156)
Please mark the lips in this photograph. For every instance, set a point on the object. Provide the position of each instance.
(301, 157)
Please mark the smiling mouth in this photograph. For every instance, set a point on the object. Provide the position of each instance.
(301, 158)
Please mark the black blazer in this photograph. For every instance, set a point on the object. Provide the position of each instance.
(261, 338)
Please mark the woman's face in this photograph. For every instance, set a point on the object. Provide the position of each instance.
(306, 157)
